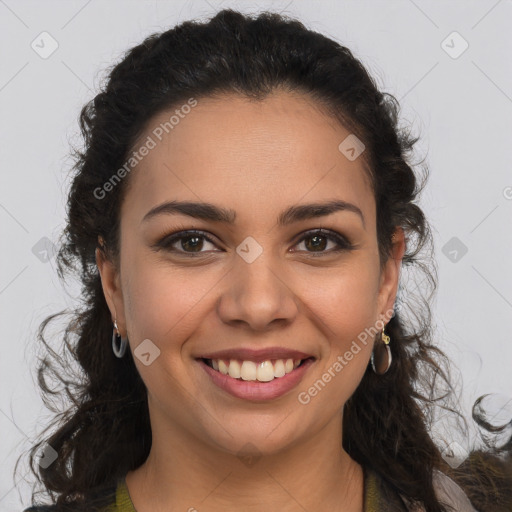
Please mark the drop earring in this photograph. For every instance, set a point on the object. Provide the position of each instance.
(381, 356)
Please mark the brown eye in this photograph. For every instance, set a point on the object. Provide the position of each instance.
(192, 242)
(317, 242)
(189, 242)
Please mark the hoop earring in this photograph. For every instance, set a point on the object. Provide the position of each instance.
(381, 356)
(118, 351)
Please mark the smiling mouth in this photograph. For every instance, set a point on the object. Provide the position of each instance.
(264, 371)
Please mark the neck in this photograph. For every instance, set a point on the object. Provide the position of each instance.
(183, 472)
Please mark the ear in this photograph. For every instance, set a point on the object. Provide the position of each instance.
(111, 284)
(390, 274)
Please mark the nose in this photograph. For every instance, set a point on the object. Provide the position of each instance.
(257, 296)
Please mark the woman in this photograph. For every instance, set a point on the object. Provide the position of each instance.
(240, 216)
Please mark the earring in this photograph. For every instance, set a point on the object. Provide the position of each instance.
(118, 351)
(381, 356)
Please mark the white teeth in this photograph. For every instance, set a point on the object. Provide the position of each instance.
(223, 367)
(279, 370)
(264, 371)
(234, 369)
(247, 371)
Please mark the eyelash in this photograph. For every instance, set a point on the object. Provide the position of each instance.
(167, 241)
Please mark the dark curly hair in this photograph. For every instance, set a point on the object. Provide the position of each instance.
(105, 432)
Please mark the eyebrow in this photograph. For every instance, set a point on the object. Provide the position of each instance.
(208, 211)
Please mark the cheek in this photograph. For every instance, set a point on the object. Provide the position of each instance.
(345, 298)
(346, 307)
(345, 354)
(164, 302)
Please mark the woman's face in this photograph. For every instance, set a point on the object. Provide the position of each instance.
(261, 281)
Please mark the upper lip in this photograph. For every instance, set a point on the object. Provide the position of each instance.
(249, 354)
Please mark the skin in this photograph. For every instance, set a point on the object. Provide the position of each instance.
(256, 158)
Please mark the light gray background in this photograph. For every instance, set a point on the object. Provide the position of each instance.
(461, 106)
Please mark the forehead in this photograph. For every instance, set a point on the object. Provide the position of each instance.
(258, 156)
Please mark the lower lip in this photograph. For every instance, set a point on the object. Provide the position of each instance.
(255, 390)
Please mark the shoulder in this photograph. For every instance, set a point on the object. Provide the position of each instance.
(448, 493)
(102, 498)
(53, 508)
(451, 493)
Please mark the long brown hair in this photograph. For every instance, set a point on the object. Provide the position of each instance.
(105, 431)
